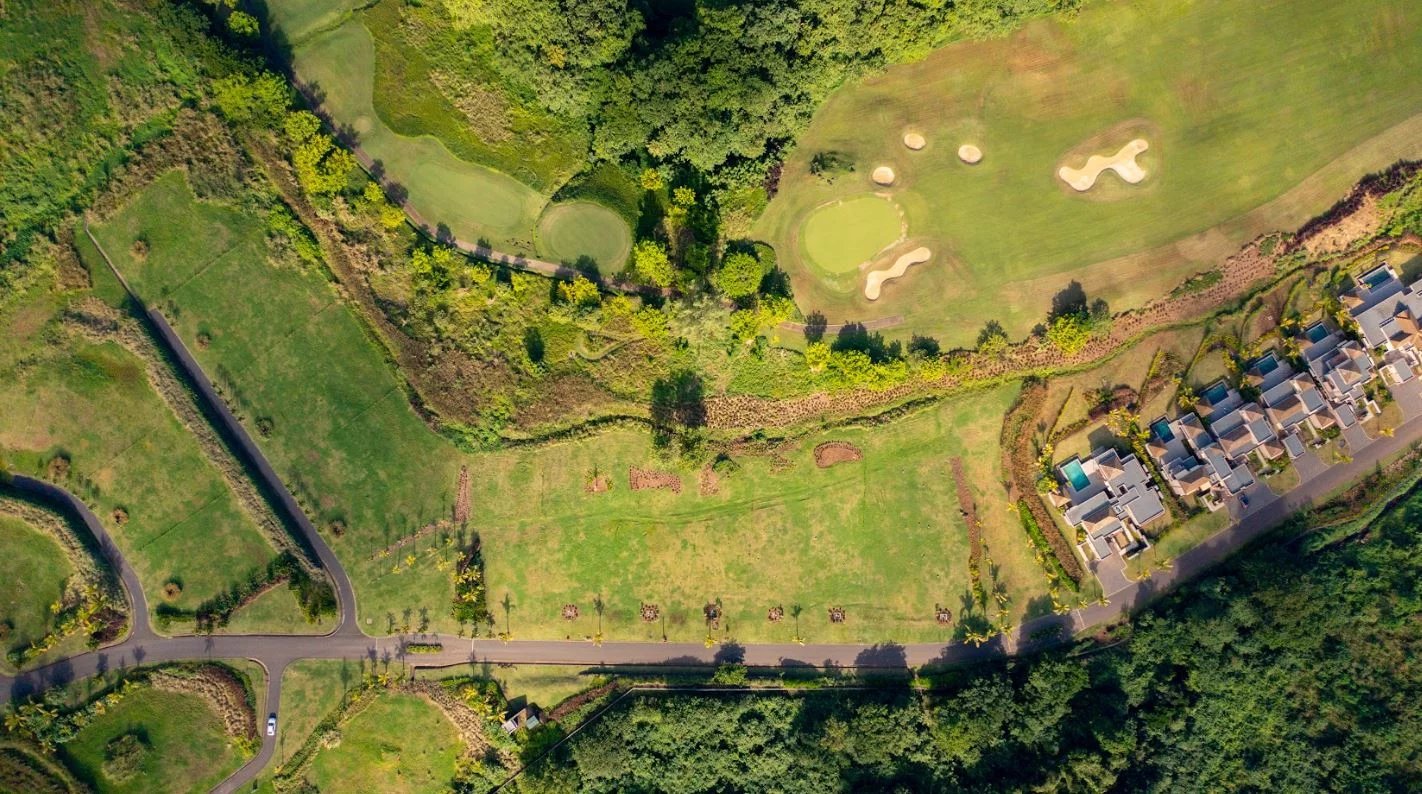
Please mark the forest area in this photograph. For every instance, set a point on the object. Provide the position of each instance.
(1285, 671)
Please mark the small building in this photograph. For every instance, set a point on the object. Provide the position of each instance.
(1110, 498)
(1184, 473)
(1245, 431)
(1291, 400)
(528, 718)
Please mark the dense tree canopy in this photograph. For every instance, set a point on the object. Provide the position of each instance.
(711, 84)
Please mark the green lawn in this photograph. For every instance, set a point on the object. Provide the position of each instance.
(33, 569)
(310, 690)
(569, 231)
(881, 538)
(298, 19)
(1258, 116)
(840, 236)
(126, 449)
(401, 743)
(187, 748)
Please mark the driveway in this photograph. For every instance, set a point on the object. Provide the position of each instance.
(1309, 465)
(1356, 438)
(1409, 398)
(1112, 574)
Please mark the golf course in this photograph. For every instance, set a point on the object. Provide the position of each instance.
(1253, 117)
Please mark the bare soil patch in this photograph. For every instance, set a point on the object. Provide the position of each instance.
(598, 483)
(650, 613)
(461, 501)
(570, 611)
(836, 614)
(707, 482)
(649, 479)
(832, 452)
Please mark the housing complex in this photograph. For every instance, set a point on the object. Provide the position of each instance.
(1285, 402)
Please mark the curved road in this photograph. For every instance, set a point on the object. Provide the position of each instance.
(347, 641)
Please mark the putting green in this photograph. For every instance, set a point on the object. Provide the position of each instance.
(569, 231)
(838, 237)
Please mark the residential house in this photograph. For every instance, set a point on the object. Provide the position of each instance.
(1340, 365)
(1111, 498)
(1227, 476)
(1387, 315)
(1240, 427)
(1291, 400)
(1184, 473)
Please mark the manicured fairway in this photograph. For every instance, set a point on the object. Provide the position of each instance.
(838, 237)
(33, 569)
(298, 19)
(402, 741)
(187, 748)
(570, 231)
(882, 538)
(1258, 115)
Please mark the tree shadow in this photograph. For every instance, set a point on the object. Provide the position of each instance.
(924, 346)
(815, 325)
(856, 337)
(533, 345)
(678, 405)
(1070, 300)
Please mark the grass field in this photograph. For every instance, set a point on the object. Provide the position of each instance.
(881, 538)
(33, 569)
(298, 19)
(474, 201)
(569, 231)
(400, 742)
(187, 748)
(838, 237)
(183, 523)
(1215, 87)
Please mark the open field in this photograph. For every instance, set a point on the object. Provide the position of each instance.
(298, 19)
(33, 569)
(187, 749)
(178, 521)
(881, 538)
(474, 201)
(402, 741)
(1208, 84)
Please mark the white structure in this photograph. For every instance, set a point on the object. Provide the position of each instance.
(1111, 498)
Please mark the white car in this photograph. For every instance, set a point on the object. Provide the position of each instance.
(271, 725)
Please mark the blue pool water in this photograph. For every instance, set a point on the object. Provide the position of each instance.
(1075, 475)
(1316, 332)
(1267, 364)
(1161, 429)
(1216, 393)
(1376, 278)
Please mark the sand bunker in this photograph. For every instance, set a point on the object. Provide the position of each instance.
(876, 278)
(832, 452)
(914, 141)
(1122, 162)
(883, 175)
(969, 153)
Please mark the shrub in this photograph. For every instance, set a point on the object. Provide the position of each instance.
(123, 756)
(739, 276)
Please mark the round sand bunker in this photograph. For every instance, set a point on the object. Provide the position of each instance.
(915, 141)
(883, 175)
(969, 153)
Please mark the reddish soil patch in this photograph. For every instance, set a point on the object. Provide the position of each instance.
(58, 468)
(707, 481)
(650, 612)
(598, 483)
(836, 614)
(975, 530)
(120, 516)
(570, 611)
(461, 500)
(832, 452)
(576, 702)
(776, 614)
(647, 480)
(172, 590)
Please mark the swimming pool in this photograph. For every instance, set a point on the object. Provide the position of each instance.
(1075, 474)
(1266, 364)
(1316, 332)
(1216, 393)
(1377, 278)
(1161, 429)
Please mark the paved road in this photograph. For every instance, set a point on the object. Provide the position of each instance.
(247, 450)
(275, 652)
